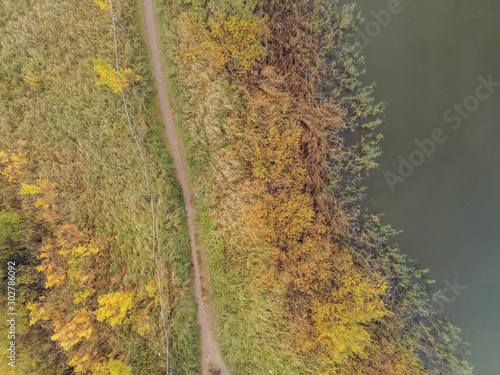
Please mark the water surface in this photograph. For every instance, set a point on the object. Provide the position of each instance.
(427, 58)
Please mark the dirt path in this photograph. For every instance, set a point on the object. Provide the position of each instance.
(211, 359)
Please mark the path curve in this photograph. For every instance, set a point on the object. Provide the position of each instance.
(211, 358)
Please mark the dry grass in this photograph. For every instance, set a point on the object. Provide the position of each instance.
(77, 136)
(253, 335)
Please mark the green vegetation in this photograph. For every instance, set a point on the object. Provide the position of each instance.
(303, 280)
(74, 214)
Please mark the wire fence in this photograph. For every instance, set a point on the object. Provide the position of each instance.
(151, 195)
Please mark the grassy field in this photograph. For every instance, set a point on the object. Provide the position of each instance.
(75, 134)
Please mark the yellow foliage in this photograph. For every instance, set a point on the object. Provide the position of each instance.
(73, 332)
(84, 251)
(275, 155)
(100, 369)
(44, 187)
(41, 202)
(113, 367)
(109, 76)
(151, 288)
(11, 165)
(152, 291)
(67, 262)
(103, 4)
(83, 361)
(333, 302)
(285, 208)
(117, 367)
(30, 189)
(55, 275)
(383, 356)
(64, 255)
(227, 41)
(287, 214)
(143, 323)
(114, 307)
(339, 332)
(33, 79)
(37, 311)
(81, 296)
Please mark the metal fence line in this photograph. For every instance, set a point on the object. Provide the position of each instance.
(152, 196)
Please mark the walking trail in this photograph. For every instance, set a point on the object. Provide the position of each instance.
(211, 359)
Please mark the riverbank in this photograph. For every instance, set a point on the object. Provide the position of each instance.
(292, 259)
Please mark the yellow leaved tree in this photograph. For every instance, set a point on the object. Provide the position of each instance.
(70, 333)
(11, 163)
(110, 77)
(43, 187)
(339, 317)
(103, 4)
(113, 367)
(71, 263)
(58, 256)
(114, 307)
(226, 41)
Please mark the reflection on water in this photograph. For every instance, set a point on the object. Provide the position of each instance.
(425, 60)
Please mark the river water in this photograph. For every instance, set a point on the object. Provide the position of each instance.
(436, 64)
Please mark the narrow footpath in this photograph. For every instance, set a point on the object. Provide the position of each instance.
(211, 358)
